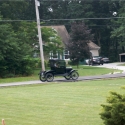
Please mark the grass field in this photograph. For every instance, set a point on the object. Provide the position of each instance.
(82, 70)
(74, 103)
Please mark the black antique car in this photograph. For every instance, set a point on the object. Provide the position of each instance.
(58, 68)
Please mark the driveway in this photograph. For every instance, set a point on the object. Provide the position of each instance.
(115, 65)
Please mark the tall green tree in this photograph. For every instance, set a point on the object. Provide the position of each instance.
(52, 42)
(119, 27)
(15, 47)
(8, 48)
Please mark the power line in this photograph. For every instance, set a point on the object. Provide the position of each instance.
(16, 20)
(107, 18)
(62, 0)
(45, 20)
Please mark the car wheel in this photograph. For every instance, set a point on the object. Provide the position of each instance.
(49, 77)
(68, 77)
(42, 77)
(74, 75)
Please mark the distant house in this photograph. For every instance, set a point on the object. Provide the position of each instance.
(94, 49)
(63, 33)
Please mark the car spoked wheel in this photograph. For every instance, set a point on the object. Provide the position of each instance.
(74, 75)
(49, 77)
(42, 77)
(68, 77)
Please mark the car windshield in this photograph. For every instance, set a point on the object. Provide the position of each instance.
(58, 62)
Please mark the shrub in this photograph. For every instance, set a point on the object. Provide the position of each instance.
(38, 63)
(72, 62)
(114, 112)
(27, 66)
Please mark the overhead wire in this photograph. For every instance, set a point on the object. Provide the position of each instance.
(105, 18)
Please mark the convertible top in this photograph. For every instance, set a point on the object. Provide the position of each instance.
(57, 61)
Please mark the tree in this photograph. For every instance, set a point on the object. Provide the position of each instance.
(52, 42)
(114, 112)
(18, 9)
(8, 48)
(78, 44)
(118, 27)
(16, 47)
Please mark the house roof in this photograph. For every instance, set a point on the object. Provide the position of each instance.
(122, 54)
(93, 46)
(63, 33)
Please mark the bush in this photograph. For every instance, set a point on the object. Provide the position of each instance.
(72, 63)
(38, 63)
(23, 67)
(12, 68)
(27, 66)
(114, 112)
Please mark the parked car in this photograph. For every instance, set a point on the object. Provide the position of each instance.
(87, 61)
(96, 60)
(106, 60)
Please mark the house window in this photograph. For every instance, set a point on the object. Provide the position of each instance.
(66, 54)
(53, 55)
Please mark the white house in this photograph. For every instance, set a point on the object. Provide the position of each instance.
(94, 49)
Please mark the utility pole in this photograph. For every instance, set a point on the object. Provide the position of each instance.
(39, 35)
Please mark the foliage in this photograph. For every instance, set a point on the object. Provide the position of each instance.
(103, 25)
(8, 48)
(114, 112)
(52, 42)
(20, 36)
(20, 9)
(97, 15)
(27, 66)
(78, 44)
(38, 63)
(15, 46)
(119, 27)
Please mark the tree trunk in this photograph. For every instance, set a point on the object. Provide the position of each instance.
(77, 64)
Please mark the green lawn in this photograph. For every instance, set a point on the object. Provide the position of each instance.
(83, 71)
(74, 103)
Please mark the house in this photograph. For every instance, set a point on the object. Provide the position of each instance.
(94, 49)
(63, 33)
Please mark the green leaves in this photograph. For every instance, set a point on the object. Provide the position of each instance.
(52, 42)
(15, 45)
(114, 112)
(7, 41)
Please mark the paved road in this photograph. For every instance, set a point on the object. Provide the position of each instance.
(83, 78)
(114, 66)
